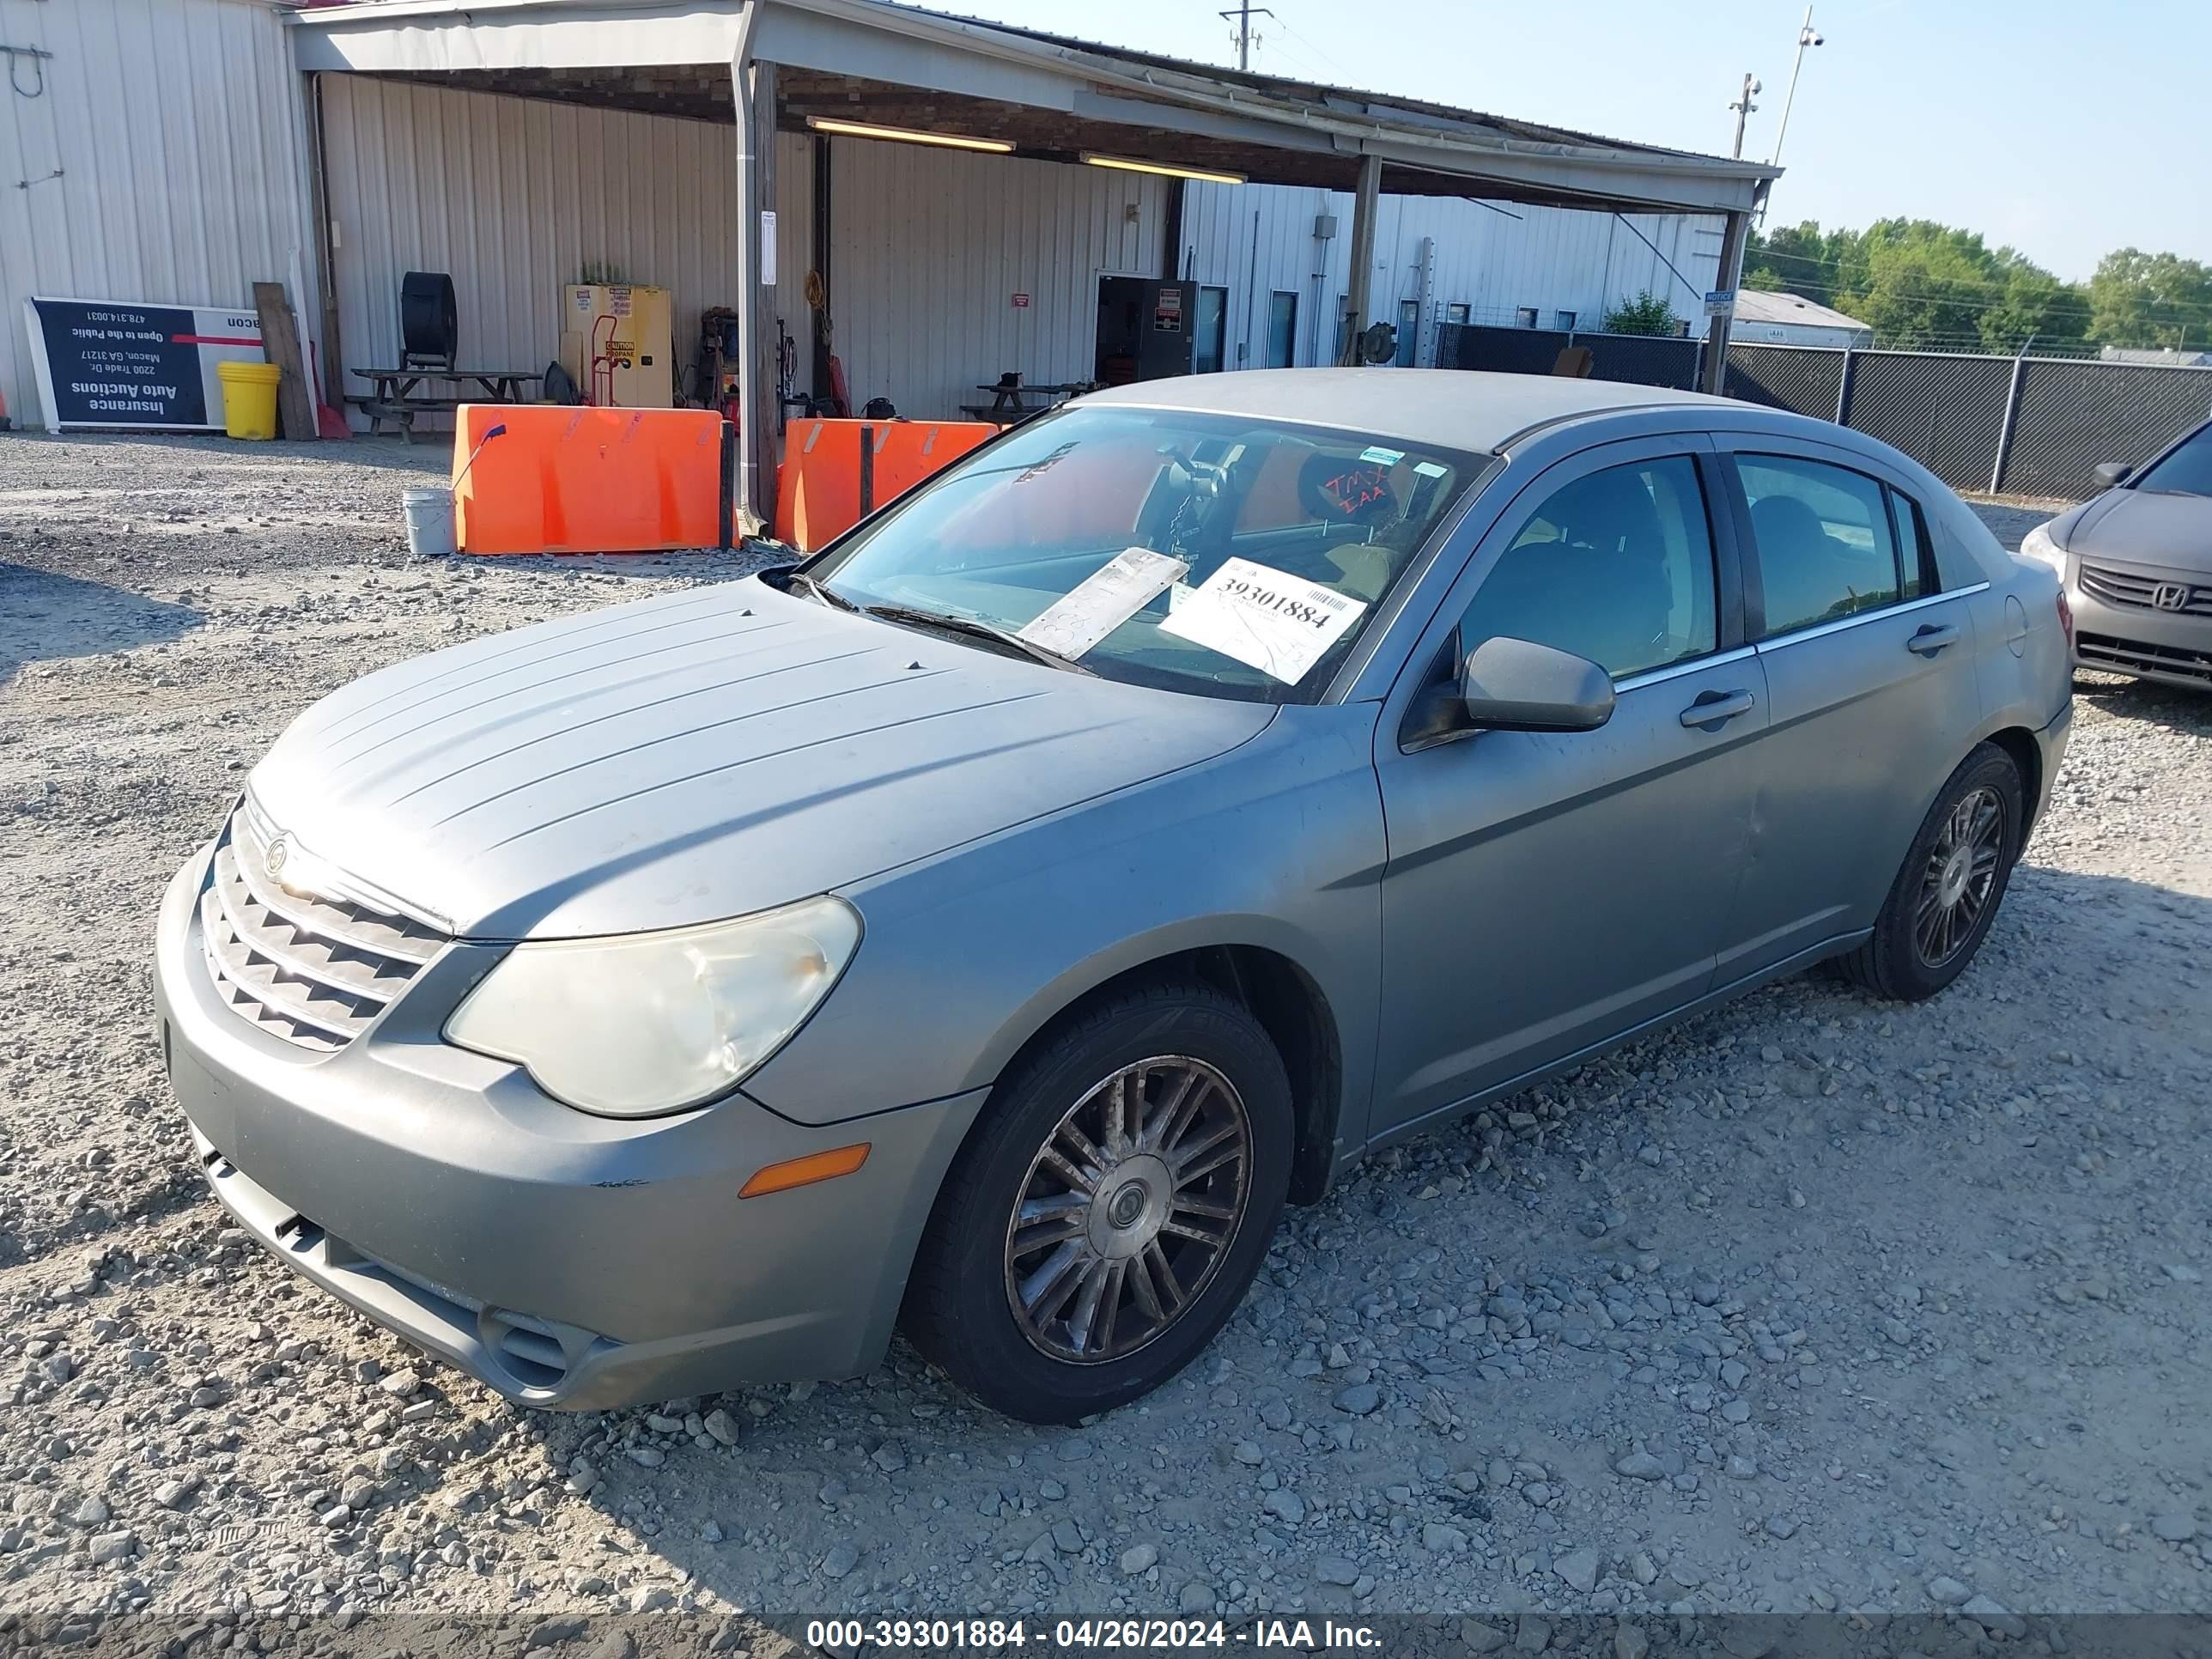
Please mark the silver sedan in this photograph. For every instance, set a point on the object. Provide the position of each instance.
(986, 927)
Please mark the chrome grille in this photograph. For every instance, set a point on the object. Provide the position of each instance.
(2133, 587)
(314, 970)
(2134, 657)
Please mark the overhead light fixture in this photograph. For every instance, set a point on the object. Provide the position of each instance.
(1124, 164)
(908, 135)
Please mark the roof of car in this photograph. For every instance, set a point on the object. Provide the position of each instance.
(1466, 410)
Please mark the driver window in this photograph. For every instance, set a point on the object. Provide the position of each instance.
(1616, 567)
(1826, 549)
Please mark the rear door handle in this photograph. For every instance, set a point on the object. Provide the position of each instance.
(1932, 638)
(1714, 708)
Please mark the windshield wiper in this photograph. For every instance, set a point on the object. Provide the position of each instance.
(838, 601)
(979, 629)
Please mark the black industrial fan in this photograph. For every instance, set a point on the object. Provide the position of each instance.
(429, 325)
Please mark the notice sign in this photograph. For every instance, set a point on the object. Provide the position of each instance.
(1167, 311)
(1720, 302)
(1280, 624)
(112, 363)
(1103, 601)
(1021, 302)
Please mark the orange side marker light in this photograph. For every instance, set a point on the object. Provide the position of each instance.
(806, 1171)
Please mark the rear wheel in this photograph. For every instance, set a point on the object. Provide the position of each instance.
(1946, 896)
(1112, 1210)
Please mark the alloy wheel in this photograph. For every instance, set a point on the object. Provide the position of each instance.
(1128, 1210)
(1961, 873)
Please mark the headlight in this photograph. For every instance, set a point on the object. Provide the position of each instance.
(2038, 545)
(652, 1023)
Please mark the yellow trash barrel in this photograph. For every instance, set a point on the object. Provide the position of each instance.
(249, 398)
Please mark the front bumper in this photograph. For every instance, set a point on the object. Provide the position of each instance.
(562, 1260)
(2172, 647)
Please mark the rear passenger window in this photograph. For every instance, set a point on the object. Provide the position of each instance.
(1826, 547)
(1616, 567)
(1912, 546)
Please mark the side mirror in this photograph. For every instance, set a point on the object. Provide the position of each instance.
(1513, 685)
(2112, 473)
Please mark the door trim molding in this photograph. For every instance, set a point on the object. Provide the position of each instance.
(1823, 629)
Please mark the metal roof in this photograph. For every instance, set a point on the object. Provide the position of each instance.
(1471, 410)
(1050, 95)
(1756, 305)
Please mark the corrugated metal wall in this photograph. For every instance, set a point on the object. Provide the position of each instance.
(177, 131)
(1258, 239)
(516, 196)
(929, 248)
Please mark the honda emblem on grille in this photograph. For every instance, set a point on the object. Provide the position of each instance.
(273, 860)
(2171, 596)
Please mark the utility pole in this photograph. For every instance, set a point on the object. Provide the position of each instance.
(1242, 16)
(1807, 36)
(1743, 107)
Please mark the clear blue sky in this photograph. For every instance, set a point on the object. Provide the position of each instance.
(2066, 129)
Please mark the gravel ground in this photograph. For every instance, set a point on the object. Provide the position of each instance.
(1811, 1302)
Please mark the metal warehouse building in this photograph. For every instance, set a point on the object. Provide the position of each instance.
(178, 149)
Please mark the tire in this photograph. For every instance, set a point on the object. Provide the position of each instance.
(1915, 952)
(1201, 1066)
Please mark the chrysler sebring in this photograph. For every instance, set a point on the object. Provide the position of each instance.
(984, 928)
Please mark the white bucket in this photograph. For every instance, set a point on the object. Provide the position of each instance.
(429, 521)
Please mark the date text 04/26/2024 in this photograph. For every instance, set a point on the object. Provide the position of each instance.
(1302, 1635)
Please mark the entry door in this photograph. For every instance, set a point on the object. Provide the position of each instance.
(1167, 332)
(1548, 891)
(1871, 673)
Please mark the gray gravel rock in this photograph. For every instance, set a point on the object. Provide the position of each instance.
(1720, 1214)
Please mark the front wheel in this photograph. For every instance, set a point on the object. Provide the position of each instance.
(1946, 896)
(1112, 1209)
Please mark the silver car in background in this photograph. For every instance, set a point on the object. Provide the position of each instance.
(985, 928)
(2136, 563)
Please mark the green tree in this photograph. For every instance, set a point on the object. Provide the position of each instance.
(2138, 299)
(1647, 314)
(1799, 259)
(2034, 310)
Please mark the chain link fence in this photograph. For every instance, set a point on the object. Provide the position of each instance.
(2024, 426)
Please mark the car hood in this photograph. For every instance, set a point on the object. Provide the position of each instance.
(702, 755)
(2142, 526)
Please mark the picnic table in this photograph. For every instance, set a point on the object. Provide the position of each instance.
(1010, 399)
(396, 399)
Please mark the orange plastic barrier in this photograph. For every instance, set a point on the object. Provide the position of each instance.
(819, 486)
(570, 480)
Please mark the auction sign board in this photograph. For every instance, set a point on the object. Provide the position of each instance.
(107, 363)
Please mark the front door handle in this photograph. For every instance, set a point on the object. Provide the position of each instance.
(1712, 709)
(1932, 638)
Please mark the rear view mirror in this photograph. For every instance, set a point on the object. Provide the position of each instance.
(1510, 685)
(1517, 685)
(2114, 472)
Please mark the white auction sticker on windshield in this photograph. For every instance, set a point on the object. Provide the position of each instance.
(1109, 597)
(1278, 624)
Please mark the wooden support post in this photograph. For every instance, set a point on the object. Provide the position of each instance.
(752, 86)
(1359, 296)
(1714, 375)
(280, 343)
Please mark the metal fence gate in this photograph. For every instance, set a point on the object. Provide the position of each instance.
(2021, 426)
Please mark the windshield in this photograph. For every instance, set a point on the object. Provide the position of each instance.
(2186, 471)
(1223, 555)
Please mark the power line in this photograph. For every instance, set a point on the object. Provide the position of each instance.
(2186, 311)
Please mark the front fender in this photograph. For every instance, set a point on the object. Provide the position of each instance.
(1277, 845)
